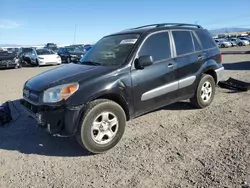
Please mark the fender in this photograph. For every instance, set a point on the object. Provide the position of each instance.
(117, 86)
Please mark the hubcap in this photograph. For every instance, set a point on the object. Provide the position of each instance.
(104, 128)
(206, 91)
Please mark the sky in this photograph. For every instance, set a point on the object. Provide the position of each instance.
(33, 22)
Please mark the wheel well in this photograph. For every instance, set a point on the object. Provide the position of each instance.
(212, 73)
(119, 100)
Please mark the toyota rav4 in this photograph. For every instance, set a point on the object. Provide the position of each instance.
(123, 76)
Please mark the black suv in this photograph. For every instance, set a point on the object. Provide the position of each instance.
(123, 76)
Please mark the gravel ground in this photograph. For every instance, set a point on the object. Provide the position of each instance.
(176, 146)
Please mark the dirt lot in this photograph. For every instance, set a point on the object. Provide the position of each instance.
(177, 146)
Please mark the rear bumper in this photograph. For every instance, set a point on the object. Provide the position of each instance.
(58, 121)
(220, 73)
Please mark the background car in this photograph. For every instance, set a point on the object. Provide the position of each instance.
(245, 38)
(71, 53)
(8, 60)
(43, 56)
(87, 47)
(51, 46)
(223, 43)
(21, 54)
(239, 42)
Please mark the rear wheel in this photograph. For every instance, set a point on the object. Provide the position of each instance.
(102, 126)
(240, 44)
(223, 46)
(205, 92)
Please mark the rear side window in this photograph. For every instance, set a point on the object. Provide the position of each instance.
(158, 46)
(206, 39)
(183, 42)
(197, 46)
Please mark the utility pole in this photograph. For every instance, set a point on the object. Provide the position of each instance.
(74, 35)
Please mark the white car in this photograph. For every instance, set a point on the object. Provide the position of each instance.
(43, 56)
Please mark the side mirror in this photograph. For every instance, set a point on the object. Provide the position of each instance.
(143, 61)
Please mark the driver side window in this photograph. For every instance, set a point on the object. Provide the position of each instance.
(157, 46)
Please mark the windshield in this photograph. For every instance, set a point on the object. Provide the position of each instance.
(72, 49)
(44, 52)
(111, 50)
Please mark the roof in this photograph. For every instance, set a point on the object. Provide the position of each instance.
(159, 27)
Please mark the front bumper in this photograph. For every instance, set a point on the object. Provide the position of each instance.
(8, 64)
(56, 120)
(50, 63)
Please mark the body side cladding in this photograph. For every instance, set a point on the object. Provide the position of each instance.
(168, 88)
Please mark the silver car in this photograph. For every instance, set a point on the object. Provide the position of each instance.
(223, 43)
(239, 42)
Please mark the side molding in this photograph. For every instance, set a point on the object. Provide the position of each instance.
(168, 88)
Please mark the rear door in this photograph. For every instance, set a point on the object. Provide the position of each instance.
(155, 85)
(189, 57)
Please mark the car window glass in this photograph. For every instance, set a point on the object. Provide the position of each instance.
(157, 46)
(197, 46)
(206, 39)
(183, 42)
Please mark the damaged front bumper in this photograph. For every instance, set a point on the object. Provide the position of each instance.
(8, 64)
(59, 121)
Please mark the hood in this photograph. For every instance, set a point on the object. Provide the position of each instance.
(65, 74)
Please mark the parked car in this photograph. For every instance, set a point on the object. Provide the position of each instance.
(42, 56)
(51, 46)
(223, 43)
(245, 38)
(123, 76)
(71, 54)
(87, 47)
(21, 54)
(239, 42)
(9, 60)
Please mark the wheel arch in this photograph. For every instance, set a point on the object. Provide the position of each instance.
(118, 99)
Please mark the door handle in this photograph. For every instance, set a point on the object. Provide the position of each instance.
(170, 65)
(201, 57)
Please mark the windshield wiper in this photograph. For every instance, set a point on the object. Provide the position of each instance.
(91, 63)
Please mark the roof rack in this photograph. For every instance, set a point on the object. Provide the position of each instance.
(169, 24)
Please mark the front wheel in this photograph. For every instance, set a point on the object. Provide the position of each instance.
(240, 44)
(102, 126)
(205, 92)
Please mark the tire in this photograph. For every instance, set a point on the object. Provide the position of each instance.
(201, 99)
(96, 111)
(68, 59)
(37, 63)
(223, 46)
(240, 44)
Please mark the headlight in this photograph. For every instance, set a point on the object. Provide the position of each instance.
(59, 93)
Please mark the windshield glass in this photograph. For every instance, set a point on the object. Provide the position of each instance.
(72, 49)
(44, 52)
(111, 50)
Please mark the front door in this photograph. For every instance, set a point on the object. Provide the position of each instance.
(155, 85)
